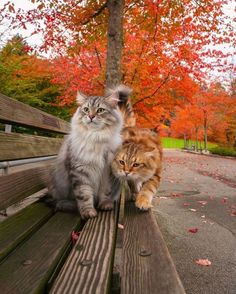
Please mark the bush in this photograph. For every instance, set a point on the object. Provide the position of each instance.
(225, 151)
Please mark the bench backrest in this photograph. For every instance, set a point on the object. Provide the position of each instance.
(20, 149)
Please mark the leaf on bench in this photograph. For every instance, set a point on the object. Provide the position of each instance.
(88, 268)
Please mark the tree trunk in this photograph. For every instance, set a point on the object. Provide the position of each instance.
(196, 146)
(205, 132)
(114, 42)
(185, 141)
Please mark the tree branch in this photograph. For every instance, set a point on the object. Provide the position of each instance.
(98, 57)
(99, 11)
(157, 89)
(136, 68)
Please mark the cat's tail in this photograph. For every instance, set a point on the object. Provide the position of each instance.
(125, 105)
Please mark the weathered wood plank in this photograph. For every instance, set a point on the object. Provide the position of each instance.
(29, 267)
(117, 266)
(19, 185)
(17, 146)
(16, 228)
(15, 112)
(88, 268)
(147, 265)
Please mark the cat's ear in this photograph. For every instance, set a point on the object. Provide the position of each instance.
(149, 151)
(113, 99)
(80, 98)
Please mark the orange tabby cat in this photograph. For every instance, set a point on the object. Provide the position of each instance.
(139, 162)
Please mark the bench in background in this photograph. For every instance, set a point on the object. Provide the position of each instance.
(36, 249)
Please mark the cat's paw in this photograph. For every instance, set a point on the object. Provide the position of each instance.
(138, 186)
(88, 213)
(106, 205)
(143, 203)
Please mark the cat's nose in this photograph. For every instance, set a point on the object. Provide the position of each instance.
(126, 173)
(91, 116)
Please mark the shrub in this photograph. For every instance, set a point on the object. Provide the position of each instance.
(225, 151)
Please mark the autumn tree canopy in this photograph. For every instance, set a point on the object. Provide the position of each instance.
(167, 48)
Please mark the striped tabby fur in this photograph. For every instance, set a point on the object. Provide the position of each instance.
(139, 161)
(82, 179)
(125, 105)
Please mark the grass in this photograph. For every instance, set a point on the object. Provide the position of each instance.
(212, 147)
(179, 143)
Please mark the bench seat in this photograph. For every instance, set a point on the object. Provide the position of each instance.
(120, 251)
(30, 265)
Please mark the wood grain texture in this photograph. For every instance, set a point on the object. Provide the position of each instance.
(29, 267)
(88, 268)
(117, 266)
(147, 265)
(16, 146)
(15, 112)
(16, 228)
(19, 185)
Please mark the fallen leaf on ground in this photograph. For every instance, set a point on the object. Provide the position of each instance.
(203, 216)
(193, 230)
(186, 204)
(224, 200)
(177, 194)
(204, 262)
(120, 226)
(202, 202)
(192, 209)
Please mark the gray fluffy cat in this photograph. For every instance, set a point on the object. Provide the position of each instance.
(82, 179)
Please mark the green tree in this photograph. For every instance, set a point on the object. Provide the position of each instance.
(27, 78)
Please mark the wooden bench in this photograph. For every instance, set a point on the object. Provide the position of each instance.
(36, 249)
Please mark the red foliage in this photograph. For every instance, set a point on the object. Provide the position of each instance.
(166, 48)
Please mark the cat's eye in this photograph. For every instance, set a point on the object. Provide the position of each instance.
(100, 110)
(136, 164)
(122, 162)
(85, 109)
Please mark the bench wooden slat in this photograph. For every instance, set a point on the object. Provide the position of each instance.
(16, 112)
(88, 268)
(16, 228)
(16, 146)
(29, 267)
(19, 185)
(147, 265)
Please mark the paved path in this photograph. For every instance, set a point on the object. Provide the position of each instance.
(188, 179)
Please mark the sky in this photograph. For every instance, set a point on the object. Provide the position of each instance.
(31, 40)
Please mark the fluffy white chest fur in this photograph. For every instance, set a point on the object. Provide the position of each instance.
(94, 146)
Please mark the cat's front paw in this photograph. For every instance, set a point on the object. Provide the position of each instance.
(143, 203)
(88, 213)
(106, 205)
